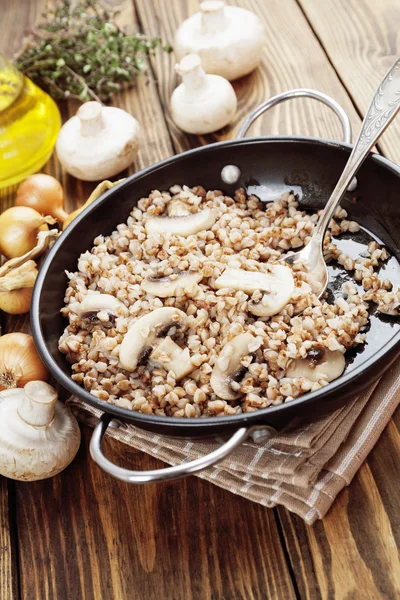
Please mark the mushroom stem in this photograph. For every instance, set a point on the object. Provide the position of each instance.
(91, 118)
(212, 16)
(193, 75)
(38, 408)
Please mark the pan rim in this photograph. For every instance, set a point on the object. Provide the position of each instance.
(209, 423)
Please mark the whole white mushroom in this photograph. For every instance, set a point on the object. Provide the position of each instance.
(228, 39)
(39, 436)
(98, 142)
(202, 103)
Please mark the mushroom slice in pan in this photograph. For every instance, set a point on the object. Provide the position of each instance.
(172, 285)
(320, 363)
(177, 208)
(277, 285)
(228, 366)
(96, 306)
(143, 335)
(184, 226)
(171, 357)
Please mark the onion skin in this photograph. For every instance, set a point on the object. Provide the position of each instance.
(19, 361)
(16, 302)
(44, 194)
(19, 226)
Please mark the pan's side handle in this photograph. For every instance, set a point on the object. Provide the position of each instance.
(299, 93)
(169, 473)
(230, 174)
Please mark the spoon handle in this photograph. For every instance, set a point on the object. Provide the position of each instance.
(383, 108)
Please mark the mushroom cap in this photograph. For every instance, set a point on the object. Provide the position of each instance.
(143, 334)
(111, 147)
(214, 106)
(282, 286)
(171, 357)
(229, 364)
(171, 285)
(92, 304)
(277, 283)
(184, 226)
(30, 453)
(232, 52)
(320, 363)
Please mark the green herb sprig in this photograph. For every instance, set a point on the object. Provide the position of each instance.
(80, 52)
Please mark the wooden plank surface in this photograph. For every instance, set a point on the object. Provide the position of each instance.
(292, 58)
(84, 535)
(361, 40)
(105, 539)
(8, 566)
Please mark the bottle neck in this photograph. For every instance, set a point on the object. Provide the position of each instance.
(11, 83)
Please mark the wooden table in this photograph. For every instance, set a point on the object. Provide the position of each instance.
(85, 535)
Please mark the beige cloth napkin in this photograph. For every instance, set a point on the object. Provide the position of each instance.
(302, 468)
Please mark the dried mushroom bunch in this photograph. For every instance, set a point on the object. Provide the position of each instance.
(78, 51)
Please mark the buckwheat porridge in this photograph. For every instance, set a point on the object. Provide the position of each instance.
(184, 310)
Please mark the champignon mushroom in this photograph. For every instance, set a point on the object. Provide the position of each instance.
(278, 285)
(99, 308)
(172, 285)
(228, 366)
(142, 336)
(320, 363)
(177, 208)
(171, 357)
(184, 226)
(228, 39)
(202, 103)
(98, 142)
(39, 436)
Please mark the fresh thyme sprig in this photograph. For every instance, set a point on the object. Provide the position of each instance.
(78, 51)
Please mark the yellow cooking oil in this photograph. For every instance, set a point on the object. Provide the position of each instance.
(29, 125)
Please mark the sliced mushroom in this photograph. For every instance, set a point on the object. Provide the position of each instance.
(277, 285)
(320, 363)
(171, 357)
(99, 308)
(177, 208)
(142, 336)
(246, 281)
(172, 285)
(228, 366)
(184, 226)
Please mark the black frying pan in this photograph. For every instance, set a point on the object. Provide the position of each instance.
(268, 166)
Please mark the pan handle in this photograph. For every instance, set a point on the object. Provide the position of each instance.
(169, 473)
(230, 174)
(299, 93)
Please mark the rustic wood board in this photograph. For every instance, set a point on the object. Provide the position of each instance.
(8, 565)
(361, 40)
(353, 551)
(83, 534)
(283, 67)
(105, 539)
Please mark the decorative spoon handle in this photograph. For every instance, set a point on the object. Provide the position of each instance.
(383, 108)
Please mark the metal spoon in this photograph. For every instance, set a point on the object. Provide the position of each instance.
(383, 108)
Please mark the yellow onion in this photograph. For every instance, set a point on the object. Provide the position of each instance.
(44, 194)
(16, 302)
(19, 361)
(19, 228)
(16, 288)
